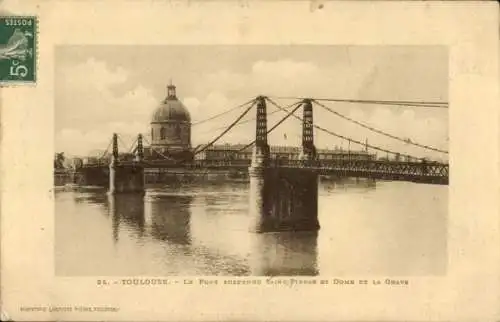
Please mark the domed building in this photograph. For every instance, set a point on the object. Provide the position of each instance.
(171, 128)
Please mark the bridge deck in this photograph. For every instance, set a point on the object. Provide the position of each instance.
(423, 172)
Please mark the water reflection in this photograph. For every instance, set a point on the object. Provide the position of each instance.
(222, 243)
(285, 254)
(168, 217)
(127, 210)
(95, 196)
(203, 230)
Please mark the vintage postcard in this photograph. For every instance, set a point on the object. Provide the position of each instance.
(284, 161)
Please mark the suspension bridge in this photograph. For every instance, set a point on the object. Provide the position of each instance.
(283, 192)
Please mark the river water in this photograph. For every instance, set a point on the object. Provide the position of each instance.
(367, 228)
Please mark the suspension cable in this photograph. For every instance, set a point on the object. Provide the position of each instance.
(275, 125)
(349, 139)
(106, 151)
(155, 150)
(120, 140)
(226, 130)
(378, 102)
(428, 147)
(241, 123)
(131, 149)
(223, 113)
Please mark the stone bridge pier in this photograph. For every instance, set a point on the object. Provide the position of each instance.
(282, 199)
(126, 177)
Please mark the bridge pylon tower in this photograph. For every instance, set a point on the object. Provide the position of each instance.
(114, 154)
(308, 151)
(139, 154)
(260, 152)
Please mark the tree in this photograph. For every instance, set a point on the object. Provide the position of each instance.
(59, 160)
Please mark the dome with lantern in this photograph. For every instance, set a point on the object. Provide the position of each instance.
(171, 126)
(171, 109)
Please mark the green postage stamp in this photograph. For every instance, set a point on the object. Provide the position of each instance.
(18, 56)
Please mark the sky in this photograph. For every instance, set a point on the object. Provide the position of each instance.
(100, 90)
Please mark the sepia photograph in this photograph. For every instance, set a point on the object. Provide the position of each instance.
(251, 160)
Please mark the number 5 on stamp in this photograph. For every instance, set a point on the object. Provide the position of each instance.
(18, 52)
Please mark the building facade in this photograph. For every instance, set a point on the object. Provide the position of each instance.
(241, 152)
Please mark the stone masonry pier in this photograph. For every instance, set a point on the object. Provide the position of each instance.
(283, 200)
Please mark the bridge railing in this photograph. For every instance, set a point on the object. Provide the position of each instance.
(373, 166)
(345, 167)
